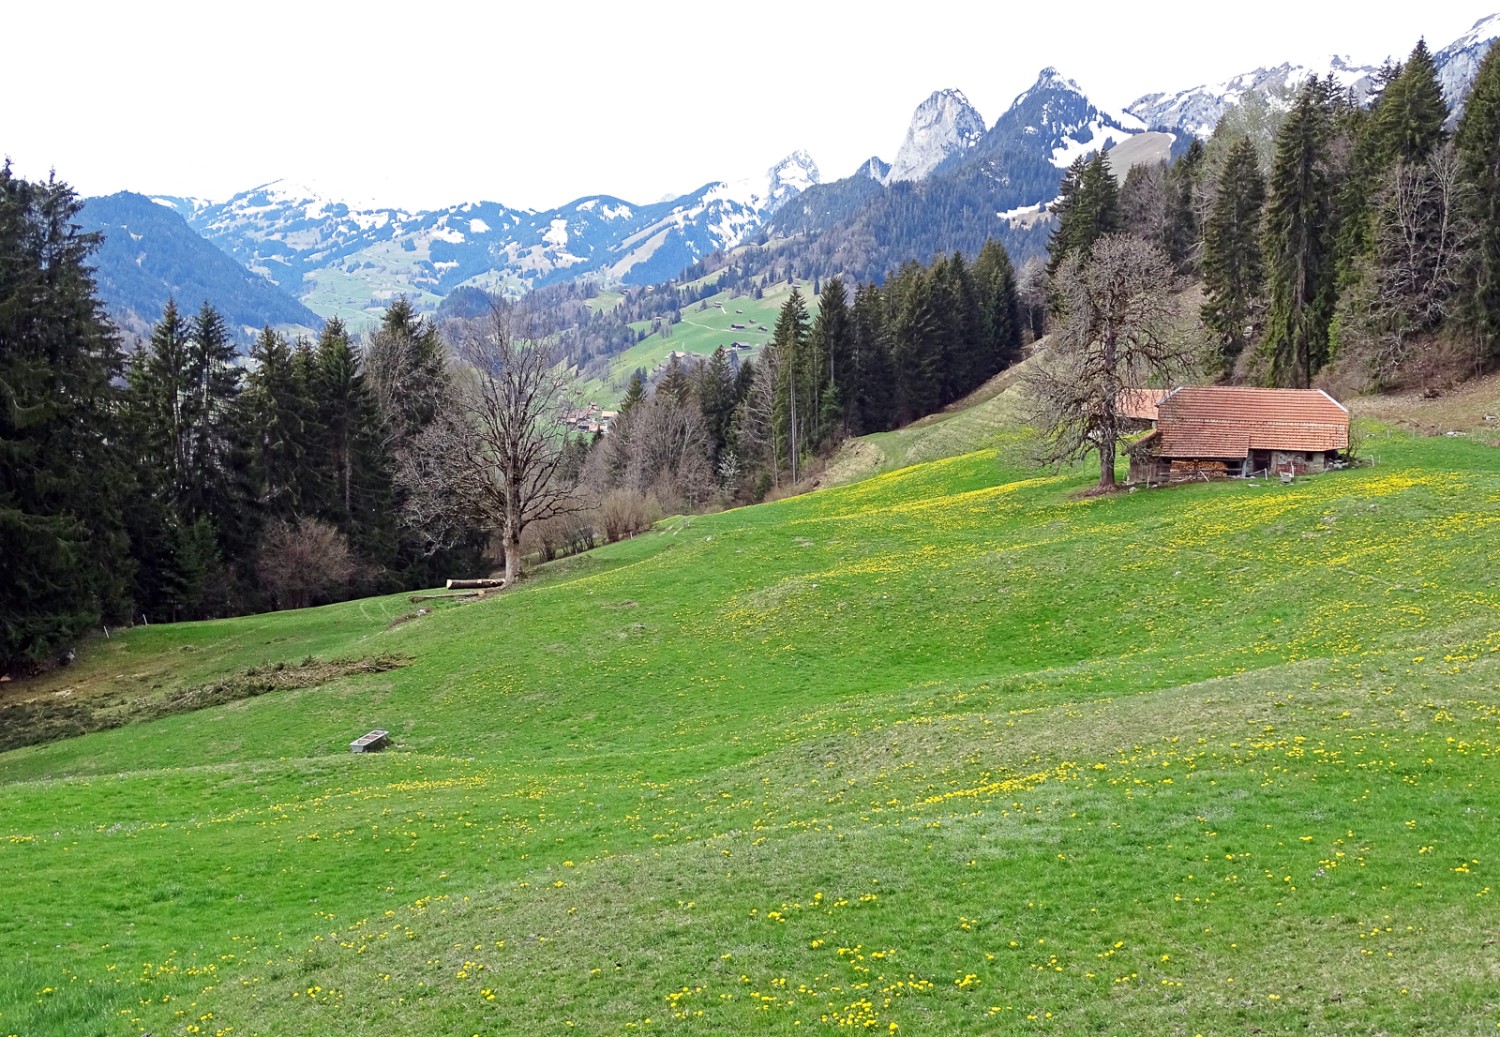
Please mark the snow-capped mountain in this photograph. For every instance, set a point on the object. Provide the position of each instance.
(1055, 117)
(1458, 62)
(340, 257)
(944, 124)
(1198, 109)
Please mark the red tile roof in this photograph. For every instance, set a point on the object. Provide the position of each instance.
(1140, 403)
(1212, 421)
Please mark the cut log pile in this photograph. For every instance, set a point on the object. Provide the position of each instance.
(1199, 471)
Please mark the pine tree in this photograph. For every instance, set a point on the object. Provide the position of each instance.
(1233, 268)
(674, 382)
(61, 477)
(1299, 243)
(1478, 143)
(406, 369)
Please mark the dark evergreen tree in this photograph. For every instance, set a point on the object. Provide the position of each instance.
(675, 381)
(61, 477)
(1409, 119)
(1088, 208)
(1233, 268)
(1299, 243)
(1000, 311)
(915, 349)
(796, 377)
(833, 339)
(361, 504)
(1180, 232)
(1478, 143)
(635, 392)
(715, 391)
(278, 409)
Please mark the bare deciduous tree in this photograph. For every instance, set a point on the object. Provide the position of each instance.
(300, 560)
(1120, 327)
(495, 446)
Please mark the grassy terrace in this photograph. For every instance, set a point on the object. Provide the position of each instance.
(944, 750)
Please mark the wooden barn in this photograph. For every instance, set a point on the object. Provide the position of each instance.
(1218, 432)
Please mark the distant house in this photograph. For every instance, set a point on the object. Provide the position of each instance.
(1217, 432)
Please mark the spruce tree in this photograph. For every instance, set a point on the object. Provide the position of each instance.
(1087, 210)
(716, 399)
(357, 471)
(915, 349)
(1409, 119)
(1000, 310)
(1299, 243)
(793, 414)
(1233, 268)
(874, 400)
(832, 340)
(635, 392)
(277, 411)
(1180, 231)
(62, 536)
(1478, 143)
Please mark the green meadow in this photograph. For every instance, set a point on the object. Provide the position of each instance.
(700, 332)
(946, 749)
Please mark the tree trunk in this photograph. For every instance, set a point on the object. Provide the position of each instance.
(512, 558)
(1107, 482)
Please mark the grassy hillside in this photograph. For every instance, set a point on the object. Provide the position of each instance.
(701, 331)
(946, 750)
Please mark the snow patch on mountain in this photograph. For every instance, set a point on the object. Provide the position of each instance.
(478, 226)
(942, 125)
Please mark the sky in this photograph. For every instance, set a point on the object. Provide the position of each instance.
(532, 104)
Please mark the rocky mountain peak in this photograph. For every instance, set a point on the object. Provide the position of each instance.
(943, 124)
(789, 178)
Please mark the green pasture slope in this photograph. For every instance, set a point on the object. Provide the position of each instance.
(699, 332)
(948, 750)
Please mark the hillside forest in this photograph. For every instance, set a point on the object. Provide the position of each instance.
(1351, 247)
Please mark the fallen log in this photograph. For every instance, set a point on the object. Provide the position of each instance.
(444, 597)
(474, 585)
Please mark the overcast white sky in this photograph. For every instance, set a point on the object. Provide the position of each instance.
(533, 104)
